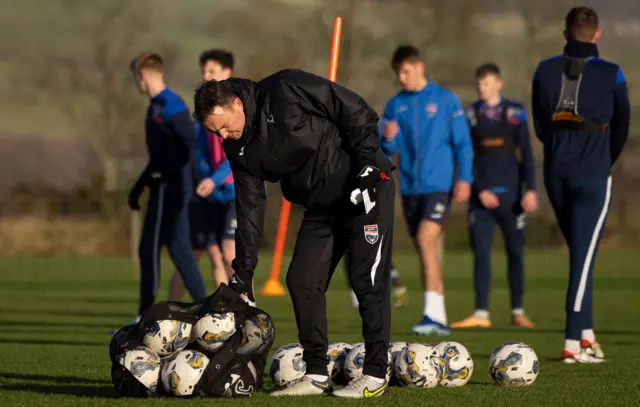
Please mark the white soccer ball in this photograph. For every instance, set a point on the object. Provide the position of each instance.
(144, 365)
(167, 336)
(354, 362)
(514, 364)
(258, 333)
(337, 354)
(287, 366)
(418, 365)
(182, 372)
(212, 330)
(456, 364)
(395, 348)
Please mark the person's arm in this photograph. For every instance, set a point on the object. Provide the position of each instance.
(538, 95)
(250, 202)
(621, 116)
(221, 173)
(524, 143)
(461, 140)
(389, 147)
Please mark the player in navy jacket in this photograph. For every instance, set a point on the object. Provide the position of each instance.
(170, 139)
(581, 114)
(503, 192)
(425, 125)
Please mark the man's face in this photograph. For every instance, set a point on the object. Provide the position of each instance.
(227, 122)
(489, 87)
(410, 74)
(212, 70)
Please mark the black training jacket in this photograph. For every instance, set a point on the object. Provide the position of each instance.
(306, 132)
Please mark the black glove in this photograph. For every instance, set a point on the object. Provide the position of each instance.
(368, 180)
(134, 196)
(242, 283)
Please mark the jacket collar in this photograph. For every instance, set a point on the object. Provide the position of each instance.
(581, 50)
(245, 90)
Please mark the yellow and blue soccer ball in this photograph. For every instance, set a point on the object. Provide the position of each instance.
(456, 365)
(354, 362)
(258, 335)
(183, 371)
(418, 365)
(144, 365)
(166, 337)
(514, 364)
(287, 366)
(212, 330)
(337, 355)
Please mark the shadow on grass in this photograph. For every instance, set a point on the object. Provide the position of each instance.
(55, 379)
(70, 313)
(81, 390)
(60, 324)
(50, 342)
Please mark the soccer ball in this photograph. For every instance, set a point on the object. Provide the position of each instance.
(287, 366)
(167, 336)
(181, 374)
(337, 354)
(354, 362)
(144, 365)
(456, 364)
(395, 348)
(258, 334)
(418, 365)
(119, 339)
(514, 364)
(212, 330)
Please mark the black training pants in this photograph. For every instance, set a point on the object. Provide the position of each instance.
(323, 238)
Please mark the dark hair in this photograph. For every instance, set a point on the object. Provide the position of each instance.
(487, 69)
(404, 53)
(581, 23)
(221, 56)
(209, 95)
(146, 60)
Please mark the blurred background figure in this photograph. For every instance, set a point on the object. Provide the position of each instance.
(503, 192)
(212, 211)
(425, 125)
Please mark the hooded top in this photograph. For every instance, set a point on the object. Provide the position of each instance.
(306, 132)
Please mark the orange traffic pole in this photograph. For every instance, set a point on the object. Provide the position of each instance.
(273, 286)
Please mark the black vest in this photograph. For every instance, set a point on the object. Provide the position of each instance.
(566, 117)
(487, 141)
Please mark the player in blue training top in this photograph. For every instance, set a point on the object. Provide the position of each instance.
(212, 211)
(503, 192)
(170, 139)
(581, 114)
(426, 126)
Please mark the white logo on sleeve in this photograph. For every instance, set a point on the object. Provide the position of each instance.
(270, 119)
(241, 151)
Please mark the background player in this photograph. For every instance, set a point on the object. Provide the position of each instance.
(425, 125)
(499, 132)
(170, 139)
(581, 114)
(212, 211)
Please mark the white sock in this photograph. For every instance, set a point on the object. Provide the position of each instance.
(318, 377)
(517, 311)
(572, 345)
(354, 299)
(434, 307)
(376, 379)
(589, 335)
(481, 313)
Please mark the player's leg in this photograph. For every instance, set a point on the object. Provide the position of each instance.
(512, 221)
(149, 249)
(354, 298)
(176, 286)
(432, 212)
(369, 266)
(317, 252)
(588, 216)
(227, 236)
(481, 229)
(400, 296)
(179, 244)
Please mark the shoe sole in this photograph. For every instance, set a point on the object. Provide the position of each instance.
(430, 330)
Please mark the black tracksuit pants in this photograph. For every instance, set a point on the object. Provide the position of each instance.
(323, 238)
(166, 223)
(581, 206)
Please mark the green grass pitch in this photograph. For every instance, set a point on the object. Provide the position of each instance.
(55, 316)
